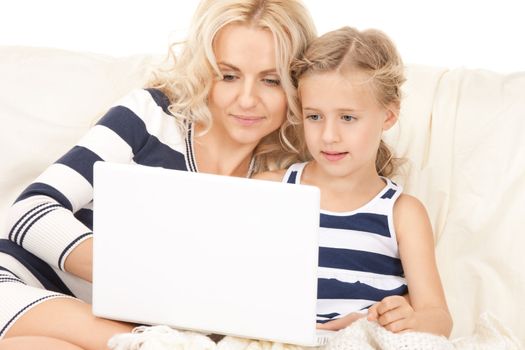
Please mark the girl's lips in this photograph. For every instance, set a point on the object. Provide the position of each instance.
(247, 120)
(334, 156)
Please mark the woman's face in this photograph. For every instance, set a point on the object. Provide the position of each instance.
(249, 102)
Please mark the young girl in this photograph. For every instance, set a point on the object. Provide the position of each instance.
(376, 244)
(218, 107)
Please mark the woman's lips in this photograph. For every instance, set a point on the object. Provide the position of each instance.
(247, 120)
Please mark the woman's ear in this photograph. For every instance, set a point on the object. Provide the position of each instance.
(391, 116)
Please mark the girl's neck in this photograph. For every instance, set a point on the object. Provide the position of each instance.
(344, 193)
(215, 155)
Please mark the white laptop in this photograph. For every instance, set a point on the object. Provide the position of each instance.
(203, 252)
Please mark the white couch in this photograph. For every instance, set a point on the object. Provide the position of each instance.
(460, 130)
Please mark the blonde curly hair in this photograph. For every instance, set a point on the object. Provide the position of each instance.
(187, 78)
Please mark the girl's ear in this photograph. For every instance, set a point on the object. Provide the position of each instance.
(390, 118)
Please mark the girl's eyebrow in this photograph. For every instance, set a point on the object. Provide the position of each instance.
(347, 109)
(237, 69)
(309, 109)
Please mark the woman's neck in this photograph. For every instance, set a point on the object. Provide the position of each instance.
(215, 155)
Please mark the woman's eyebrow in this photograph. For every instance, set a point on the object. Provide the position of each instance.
(227, 65)
(270, 71)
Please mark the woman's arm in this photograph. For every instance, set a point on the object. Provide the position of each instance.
(80, 261)
(52, 218)
(428, 311)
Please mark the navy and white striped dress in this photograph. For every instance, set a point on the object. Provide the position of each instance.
(359, 262)
(54, 214)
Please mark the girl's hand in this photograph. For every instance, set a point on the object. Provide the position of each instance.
(340, 323)
(393, 313)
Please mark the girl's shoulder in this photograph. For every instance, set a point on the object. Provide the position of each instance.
(276, 175)
(410, 216)
(407, 202)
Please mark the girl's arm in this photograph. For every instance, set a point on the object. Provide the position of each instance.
(428, 311)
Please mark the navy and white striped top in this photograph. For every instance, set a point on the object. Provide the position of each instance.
(54, 214)
(359, 261)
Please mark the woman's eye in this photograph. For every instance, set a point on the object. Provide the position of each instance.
(228, 77)
(347, 118)
(272, 82)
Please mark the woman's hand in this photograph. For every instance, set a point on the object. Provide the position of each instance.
(393, 313)
(341, 323)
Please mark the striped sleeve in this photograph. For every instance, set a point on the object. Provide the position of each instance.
(52, 215)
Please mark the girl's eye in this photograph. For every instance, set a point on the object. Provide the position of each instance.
(313, 117)
(272, 82)
(347, 118)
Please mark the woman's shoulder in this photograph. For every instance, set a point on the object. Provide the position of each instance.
(144, 107)
(160, 98)
(140, 98)
(142, 114)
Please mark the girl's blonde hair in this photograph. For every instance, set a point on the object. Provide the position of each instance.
(188, 79)
(370, 51)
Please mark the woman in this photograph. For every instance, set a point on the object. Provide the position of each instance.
(220, 108)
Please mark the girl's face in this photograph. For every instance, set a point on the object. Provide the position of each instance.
(249, 102)
(343, 122)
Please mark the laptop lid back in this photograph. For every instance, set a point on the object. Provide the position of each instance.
(206, 252)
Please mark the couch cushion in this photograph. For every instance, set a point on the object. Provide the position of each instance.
(461, 132)
(48, 99)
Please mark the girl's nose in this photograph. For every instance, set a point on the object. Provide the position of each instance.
(330, 132)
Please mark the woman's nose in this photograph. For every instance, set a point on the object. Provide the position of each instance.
(248, 94)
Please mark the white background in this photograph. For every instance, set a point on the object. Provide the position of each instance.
(451, 33)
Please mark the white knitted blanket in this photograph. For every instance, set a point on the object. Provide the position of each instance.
(489, 334)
